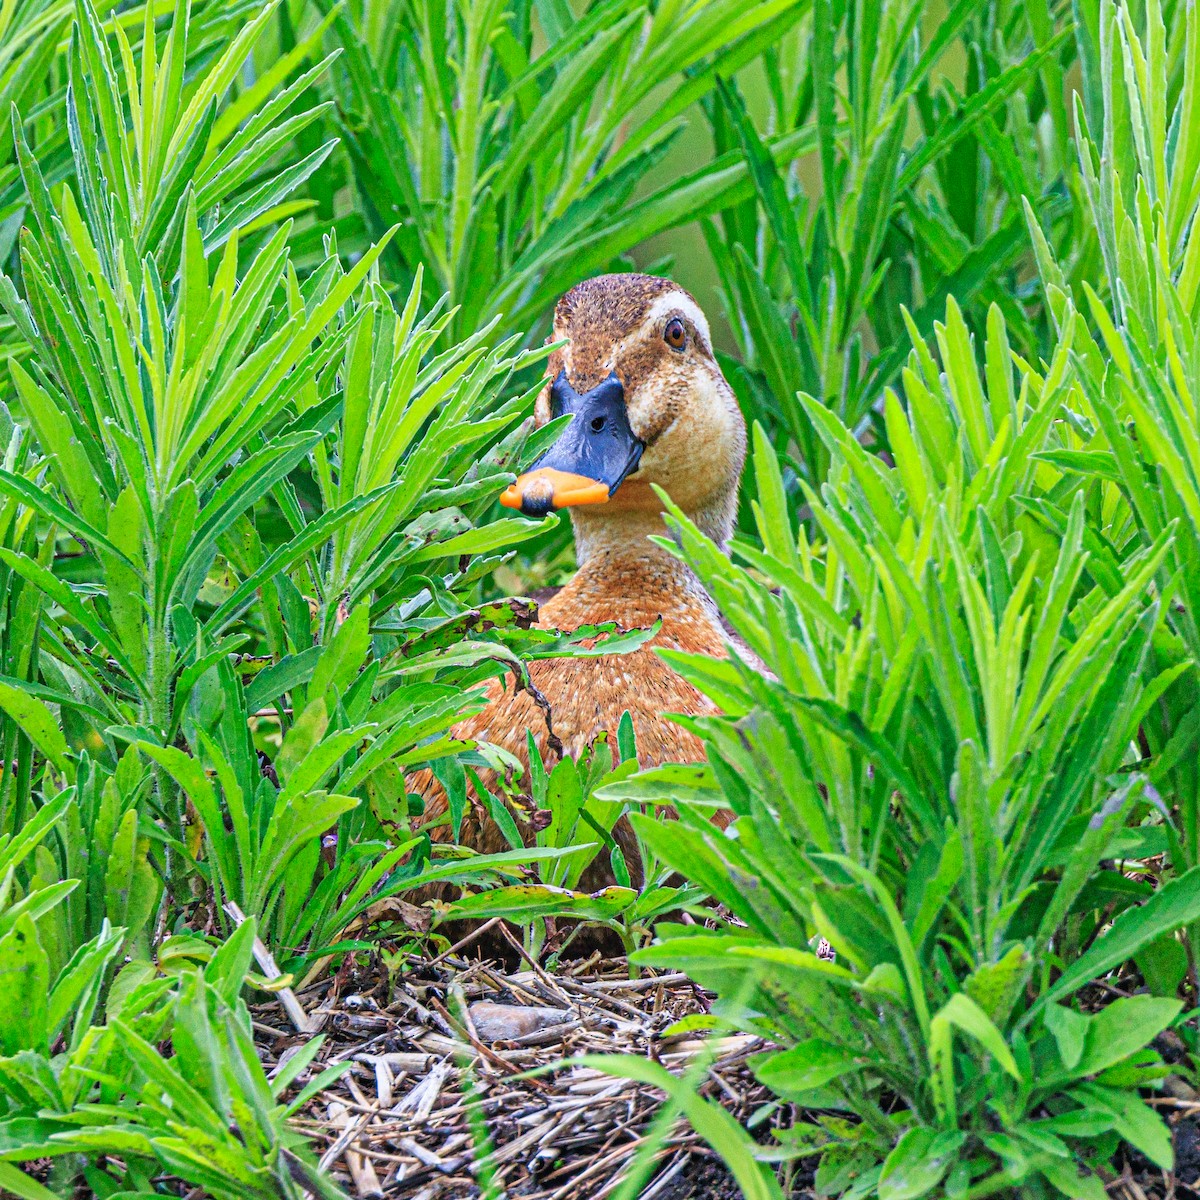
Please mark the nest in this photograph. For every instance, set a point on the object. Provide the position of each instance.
(461, 1075)
(440, 1095)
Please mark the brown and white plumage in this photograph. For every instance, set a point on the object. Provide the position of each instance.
(678, 404)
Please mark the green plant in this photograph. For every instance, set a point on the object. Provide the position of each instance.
(20, 613)
(576, 809)
(544, 152)
(929, 782)
(49, 988)
(117, 888)
(243, 525)
(265, 324)
(262, 830)
(1133, 456)
(207, 1114)
(921, 183)
(708, 1118)
(188, 393)
(136, 449)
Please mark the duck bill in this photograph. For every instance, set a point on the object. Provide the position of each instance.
(536, 492)
(591, 459)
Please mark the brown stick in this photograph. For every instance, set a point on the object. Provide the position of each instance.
(266, 963)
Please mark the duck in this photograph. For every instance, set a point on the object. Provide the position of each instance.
(650, 406)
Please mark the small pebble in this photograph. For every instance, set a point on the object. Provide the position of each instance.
(504, 1022)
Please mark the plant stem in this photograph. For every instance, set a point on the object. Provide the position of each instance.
(24, 776)
(8, 752)
(159, 714)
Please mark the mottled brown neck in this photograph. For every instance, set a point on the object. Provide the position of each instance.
(625, 577)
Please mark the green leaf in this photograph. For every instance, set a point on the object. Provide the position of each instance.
(1069, 1029)
(15, 1182)
(523, 903)
(302, 738)
(918, 1162)
(1132, 1118)
(1073, 1180)
(344, 654)
(82, 976)
(130, 884)
(995, 986)
(811, 1064)
(42, 501)
(291, 671)
(1120, 1028)
(1163, 964)
(1174, 905)
(24, 987)
(961, 1012)
(37, 722)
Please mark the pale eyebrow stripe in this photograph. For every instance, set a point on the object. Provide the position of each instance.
(681, 302)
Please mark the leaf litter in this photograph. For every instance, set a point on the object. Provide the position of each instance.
(458, 1068)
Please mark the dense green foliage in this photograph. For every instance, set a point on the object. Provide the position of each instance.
(982, 695)
(273, 283)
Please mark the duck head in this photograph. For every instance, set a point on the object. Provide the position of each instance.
(648, 403)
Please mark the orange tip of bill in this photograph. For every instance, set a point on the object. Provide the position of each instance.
(548, 487)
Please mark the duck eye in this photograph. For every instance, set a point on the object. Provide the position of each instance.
(675, 335)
